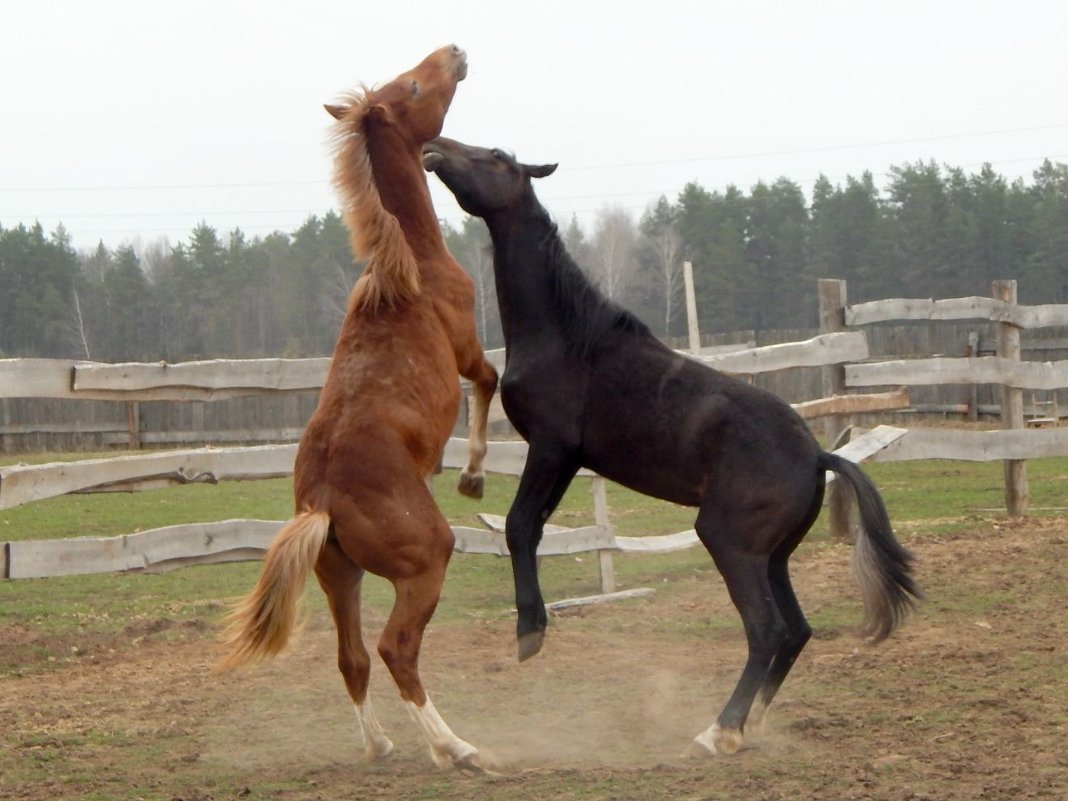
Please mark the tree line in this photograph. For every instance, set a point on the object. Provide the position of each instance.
(932, 231)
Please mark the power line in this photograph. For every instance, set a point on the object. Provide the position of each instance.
(615, 165)
(559, 203)
(158, 187)
(818, 149)
(549, 198)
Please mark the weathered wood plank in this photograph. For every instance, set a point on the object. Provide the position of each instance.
(867, 445)
(54, 378)
(1017, 492)
(157, 549)
(557, 542)
(274, 435)
(497, 523)
(589, 600)
(121, 433)
(833, 294)
(975, 446)
(172, 547)
(854, 404)
(24, 483)
(947, 370)
(970, 308)
(203, 379)
(606, 567)
(663, 543)
(720, 350)
(36, 378)
(820, 350)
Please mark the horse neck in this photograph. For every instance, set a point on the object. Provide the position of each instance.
(523, 239)
(402, 187)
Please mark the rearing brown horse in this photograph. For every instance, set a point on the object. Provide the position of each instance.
(385, 413)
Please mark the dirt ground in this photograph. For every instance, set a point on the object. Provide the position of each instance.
(968, 701)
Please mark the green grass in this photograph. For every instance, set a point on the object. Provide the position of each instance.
(930, 498)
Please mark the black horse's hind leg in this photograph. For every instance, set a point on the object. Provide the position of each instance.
(546, 477)
(744, 565)
(798, 633)
(798, 630)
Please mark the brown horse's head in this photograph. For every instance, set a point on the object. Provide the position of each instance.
(394, 121)
(484, 181)
(414, 103)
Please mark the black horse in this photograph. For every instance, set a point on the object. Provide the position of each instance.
(587, 384)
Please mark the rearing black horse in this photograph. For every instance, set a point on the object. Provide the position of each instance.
(588, 385)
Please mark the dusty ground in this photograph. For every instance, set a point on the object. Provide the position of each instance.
(968, 701)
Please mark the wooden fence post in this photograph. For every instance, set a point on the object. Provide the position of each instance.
(691, 307)
(133, 424)
(600, 518)
(832, 296)
(1017, 493)
(973, 391)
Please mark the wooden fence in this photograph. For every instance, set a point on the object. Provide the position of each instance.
(69, 422)
(843, 355)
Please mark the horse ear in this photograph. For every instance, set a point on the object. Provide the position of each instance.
(335, 111)
(540, 170)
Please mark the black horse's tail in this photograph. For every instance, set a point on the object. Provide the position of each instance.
(883, 568)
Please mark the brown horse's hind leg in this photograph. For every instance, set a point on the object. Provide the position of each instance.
(341, 580)
(417, 597)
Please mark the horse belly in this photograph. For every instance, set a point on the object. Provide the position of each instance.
(664, 473)
(410, 405)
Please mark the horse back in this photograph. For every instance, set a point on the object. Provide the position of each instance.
(692, 424)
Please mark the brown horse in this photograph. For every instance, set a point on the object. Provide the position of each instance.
(385, 413)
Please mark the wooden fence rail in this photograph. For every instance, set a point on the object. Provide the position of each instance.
(220, 379)
(185, 545)
(840, 350)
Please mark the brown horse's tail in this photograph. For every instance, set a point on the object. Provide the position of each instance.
(260, 624)
(883, 568)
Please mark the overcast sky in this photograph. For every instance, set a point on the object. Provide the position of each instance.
(130, 121)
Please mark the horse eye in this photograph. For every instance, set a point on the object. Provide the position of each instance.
(497, 154)
(415, 88)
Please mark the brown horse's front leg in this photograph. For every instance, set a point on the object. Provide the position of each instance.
(472, 477)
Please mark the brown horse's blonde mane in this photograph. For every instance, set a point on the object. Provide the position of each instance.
(392, 274)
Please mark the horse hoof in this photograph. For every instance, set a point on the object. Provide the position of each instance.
(460, 755)
(530, 644)
(471, 485)
(714, 741)
(702, 746)
(475, 763)
(380, 749)
(727, 741)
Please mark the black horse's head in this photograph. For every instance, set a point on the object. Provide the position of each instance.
(484, 181)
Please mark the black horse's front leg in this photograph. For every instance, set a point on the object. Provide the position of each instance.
(545, 478)
(532, 620)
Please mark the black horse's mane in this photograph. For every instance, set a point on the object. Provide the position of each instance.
(586, 314)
